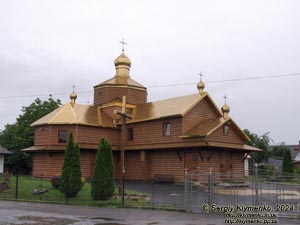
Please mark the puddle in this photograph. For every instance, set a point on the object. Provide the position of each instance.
(31, 220)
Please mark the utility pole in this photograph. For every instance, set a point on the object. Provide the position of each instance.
(124, 116)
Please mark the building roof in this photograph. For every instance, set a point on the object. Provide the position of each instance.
(4, 151)
(120, 81)
(205, 127)
(71, 114)
(171, 107)
(88, 115)
(208, 126)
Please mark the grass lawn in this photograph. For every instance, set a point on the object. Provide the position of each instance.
(28, 184)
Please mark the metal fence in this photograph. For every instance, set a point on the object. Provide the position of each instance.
(278, 192)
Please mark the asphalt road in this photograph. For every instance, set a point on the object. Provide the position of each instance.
(12, 213)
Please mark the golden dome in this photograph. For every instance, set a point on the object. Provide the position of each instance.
(73, 98)
(225, 111)
(225, 108)
(122, 60)
(122, 64)
(201, 86)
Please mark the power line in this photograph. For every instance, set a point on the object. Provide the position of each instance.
(231, 80)
(167, 85)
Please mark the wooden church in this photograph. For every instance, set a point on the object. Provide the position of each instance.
(162, 139)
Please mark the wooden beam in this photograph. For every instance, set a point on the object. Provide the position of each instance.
(178, 155)
(201, 156)
(210, 155)
(245, 157)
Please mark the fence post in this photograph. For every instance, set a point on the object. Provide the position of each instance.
(256, 184)
(17, 185)
(186, 187)
(209, 187)
(67, 191)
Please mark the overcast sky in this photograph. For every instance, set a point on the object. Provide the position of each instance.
(47, 46)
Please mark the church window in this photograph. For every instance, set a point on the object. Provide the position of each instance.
(225, 129)
(167, 129)
(62, 136)
(130, 134)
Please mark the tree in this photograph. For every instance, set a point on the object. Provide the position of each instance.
(279, 150)
(103, 179)
(261, 142)
(287, 163)
(19, 135)
(70, 182)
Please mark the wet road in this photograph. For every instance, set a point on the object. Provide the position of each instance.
(12, 213)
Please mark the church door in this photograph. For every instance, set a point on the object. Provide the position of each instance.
(226, 166)
(191, 161)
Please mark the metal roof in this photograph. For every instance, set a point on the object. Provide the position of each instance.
(4, 151)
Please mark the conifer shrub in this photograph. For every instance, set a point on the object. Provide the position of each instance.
(70, 181)
(287, 165)
(103, 180)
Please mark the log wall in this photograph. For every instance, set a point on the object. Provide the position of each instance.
(106, 94)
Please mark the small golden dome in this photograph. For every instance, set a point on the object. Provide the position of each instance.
(122, 60)
(201, 86)
(73, 98)
(225, 111)
(225, 108)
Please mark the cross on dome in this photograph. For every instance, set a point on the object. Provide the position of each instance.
(123, 43)
(201, 75)
(73, 86)
(225, 98)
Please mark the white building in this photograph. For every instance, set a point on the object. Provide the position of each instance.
(3, 152)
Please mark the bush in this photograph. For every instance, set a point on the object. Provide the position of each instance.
(55, 181)
(103, 180)
(82, 182)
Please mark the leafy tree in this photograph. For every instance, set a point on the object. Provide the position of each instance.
(103, 179)
(70, 182)
(19, 135)
(279, 150)
(287, 163)
(259, 141)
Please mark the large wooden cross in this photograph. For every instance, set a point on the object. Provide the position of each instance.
(124, 116)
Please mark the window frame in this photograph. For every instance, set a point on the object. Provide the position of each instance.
(130, 134)
(61, 140)
(166, 129)
(225, 130)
